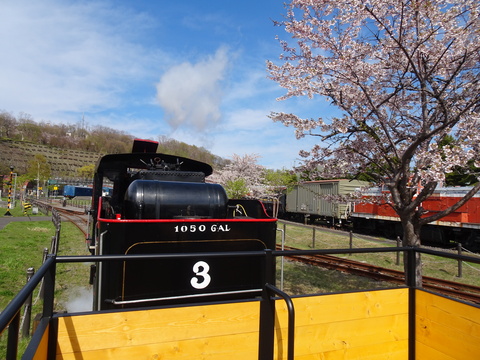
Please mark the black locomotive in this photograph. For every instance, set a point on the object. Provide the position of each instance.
(161, 204)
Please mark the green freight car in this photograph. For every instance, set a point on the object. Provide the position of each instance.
(322, 200)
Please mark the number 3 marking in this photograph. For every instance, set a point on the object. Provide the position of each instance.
(203, 273)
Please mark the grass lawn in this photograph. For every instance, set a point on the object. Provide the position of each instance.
(21, 247)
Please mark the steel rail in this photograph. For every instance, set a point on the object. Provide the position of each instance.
(446, 287)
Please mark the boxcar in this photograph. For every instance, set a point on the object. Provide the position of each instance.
(71, 191)
(309, 200)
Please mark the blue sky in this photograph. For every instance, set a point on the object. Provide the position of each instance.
(190, 70)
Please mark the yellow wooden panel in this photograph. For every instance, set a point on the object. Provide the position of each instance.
(445, 340)
(344, 307)
(121, 329)
(42, 349)
(336, 324)
(448, 326)
(326, 327)
(458, 315)
(347, 334)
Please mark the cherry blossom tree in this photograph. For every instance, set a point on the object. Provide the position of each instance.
(242, 177)
(404, 75)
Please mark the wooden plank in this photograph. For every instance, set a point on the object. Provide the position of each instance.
(324, 338)
(426, 352)
(447, 341)
(449, 316)
(391, 351)
(449, 326)
(121, 329)
(231, 347)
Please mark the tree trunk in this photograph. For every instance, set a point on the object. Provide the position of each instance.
(411, 237)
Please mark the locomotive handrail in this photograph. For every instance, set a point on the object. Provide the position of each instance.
(101, 258)
(450, 255)
(291, 318)
(180, 297)
(276, 253)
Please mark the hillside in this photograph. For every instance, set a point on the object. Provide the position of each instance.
(63, 162)
(68, 147)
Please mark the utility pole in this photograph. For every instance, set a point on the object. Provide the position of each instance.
(9, 206)
(38, 180)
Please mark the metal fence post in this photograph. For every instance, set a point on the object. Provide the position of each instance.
(411, 281)
(28, 307)
(12, 342)
(460, 270)
(49, 281)
(282, 264)
(42, 285)
(267, 317)
(351, 242)
(411, 274)
(398, 252)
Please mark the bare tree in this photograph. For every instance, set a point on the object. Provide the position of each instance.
(7, 124)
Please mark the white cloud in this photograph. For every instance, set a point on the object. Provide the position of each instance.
(67, 56)
(191, 94)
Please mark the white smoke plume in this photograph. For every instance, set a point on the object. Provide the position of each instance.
(79, 300)
(191, 94)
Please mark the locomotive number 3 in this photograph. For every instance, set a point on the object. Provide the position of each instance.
(200, 269)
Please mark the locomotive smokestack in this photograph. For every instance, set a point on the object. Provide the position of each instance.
(144, 146)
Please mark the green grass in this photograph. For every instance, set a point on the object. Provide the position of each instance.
(21, 246)
(18, 210)
(300, 279)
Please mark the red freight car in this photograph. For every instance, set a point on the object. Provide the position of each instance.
(463, 225)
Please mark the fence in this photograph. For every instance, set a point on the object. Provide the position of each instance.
(315, 242)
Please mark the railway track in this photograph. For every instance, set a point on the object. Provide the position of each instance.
(78, 218)
(458, 290)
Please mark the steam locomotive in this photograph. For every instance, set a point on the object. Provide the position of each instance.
(161, 204)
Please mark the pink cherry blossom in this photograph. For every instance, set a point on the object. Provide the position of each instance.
(403, 75)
